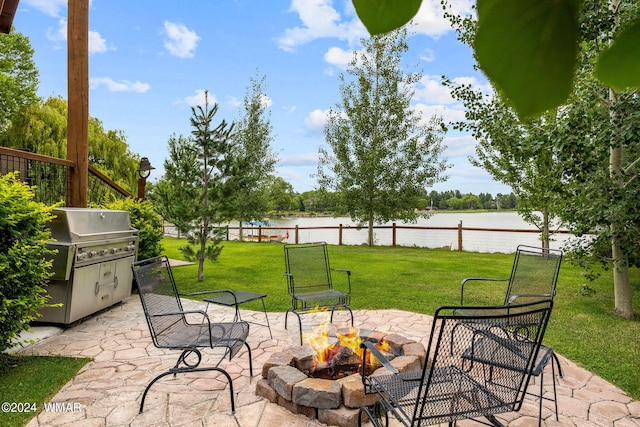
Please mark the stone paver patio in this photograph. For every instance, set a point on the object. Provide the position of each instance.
(107, 391)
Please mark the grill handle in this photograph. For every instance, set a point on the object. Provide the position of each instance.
(114, 284)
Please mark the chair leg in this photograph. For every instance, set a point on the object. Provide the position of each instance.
(540, 399)
(346, 307)
(299, 321)
(174, 371)
(555, 357)
(553, 373)
(250, 361)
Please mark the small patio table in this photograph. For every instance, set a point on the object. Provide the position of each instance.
(240, 298)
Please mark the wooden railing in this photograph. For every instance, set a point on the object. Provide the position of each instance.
(49, 176)
(455, 237)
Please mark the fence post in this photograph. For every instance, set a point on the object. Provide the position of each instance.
(297, 234)
(259, 233)
(340, 235)
(393, 235)
(460, 237)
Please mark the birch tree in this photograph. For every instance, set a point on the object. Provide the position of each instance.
(255, 160)
(382, 157)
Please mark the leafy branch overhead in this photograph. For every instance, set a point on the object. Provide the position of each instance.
(527, 48)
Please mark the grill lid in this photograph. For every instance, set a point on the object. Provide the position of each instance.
(86, 224)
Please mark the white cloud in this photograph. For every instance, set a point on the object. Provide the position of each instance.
(316, 120)
(180, 41)
(49, 7)
(265, 101)
(122, 86)
(96, 43)
(460, 146)
(428, 55)
(59, 34)
(431, 91)
(307, 159)
(338, 57)
(430, 18)
(447, 113)
(199, 98)
(319, 20)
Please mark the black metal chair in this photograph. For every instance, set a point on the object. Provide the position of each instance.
(173, 327)
(534, 276)
(310, 282)
(454, 385)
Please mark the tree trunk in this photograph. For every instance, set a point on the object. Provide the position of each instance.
(545, 229)
(240, 231)
(621, 285)
(201, 253)
(370, 230)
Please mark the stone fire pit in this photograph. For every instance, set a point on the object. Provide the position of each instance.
(334, 402)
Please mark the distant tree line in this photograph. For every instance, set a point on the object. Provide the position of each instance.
(283, 199)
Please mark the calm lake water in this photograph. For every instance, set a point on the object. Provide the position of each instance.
(472, 241)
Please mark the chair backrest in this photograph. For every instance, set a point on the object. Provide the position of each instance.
(534, 275)
(456, 386)
(159, 296)
(307, 266)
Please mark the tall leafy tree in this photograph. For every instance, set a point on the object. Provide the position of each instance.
(280, 194)
(518, 153)
(18, 75)
(382, 155)
(578, 161)
(600, 151)
(42, 128)
(254, 159)
(197, 184)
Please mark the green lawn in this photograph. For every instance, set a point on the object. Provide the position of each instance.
(582, 328)
(30, 381)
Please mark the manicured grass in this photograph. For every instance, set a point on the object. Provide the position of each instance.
(30, 381)
(582, 327)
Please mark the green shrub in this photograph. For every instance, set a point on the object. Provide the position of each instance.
(148, 222)
(24, 262)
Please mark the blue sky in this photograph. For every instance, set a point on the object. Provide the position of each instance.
(150, 61)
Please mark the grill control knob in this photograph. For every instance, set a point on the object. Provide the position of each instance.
(81, 256)
(92, 254)
(104, 251)
(114, 250)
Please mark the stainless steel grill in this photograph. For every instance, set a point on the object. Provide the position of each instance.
(92, 268)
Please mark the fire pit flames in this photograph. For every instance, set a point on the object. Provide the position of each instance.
(338, 353)
(321, 379)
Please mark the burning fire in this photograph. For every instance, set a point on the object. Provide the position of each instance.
(327, 346)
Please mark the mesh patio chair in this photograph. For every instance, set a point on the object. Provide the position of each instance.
(172, 327)
(450, 387)
(310, 282)
(534, 276)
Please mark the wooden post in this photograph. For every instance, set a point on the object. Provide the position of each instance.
(78, 102)
(393, 235)
(340, 235)
(297, 234)
(460, 237)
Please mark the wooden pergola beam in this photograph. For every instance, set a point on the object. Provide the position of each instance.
(78, 102)
(7, 12)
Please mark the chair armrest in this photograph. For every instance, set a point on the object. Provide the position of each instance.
(367, 345)
(514, 297)
(348, 273)
(220, 291)
(182, 313)
(477, 279)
